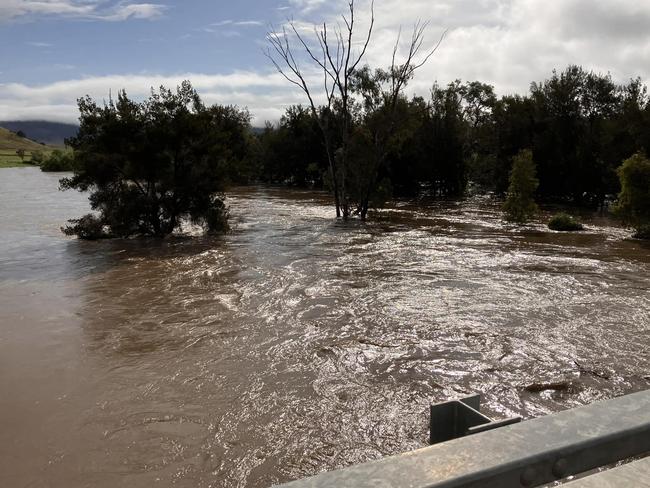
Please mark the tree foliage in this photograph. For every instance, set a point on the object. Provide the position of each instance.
(151, 165)
(633, 205)
(578, 124)
(58, 160)
(520, 205)
(292, 152)
(565, 223)
(361, 115)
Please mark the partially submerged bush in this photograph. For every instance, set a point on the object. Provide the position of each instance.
(58, 161)
(89, 227)
(520, 205)
(37, 157)
(564, 222)
(633, 205)
(643, 232)
(150, 166)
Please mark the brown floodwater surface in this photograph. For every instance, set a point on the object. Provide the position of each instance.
(296, 343)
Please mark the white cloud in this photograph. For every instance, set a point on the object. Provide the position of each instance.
(241, 23)
(39, 44)
(248, 23)
(83, 9)
(135, 11)
(222, 23)
(307, 6)
(507, 43)
(265, 94)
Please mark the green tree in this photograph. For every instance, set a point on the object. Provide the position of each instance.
(292, 150)
(37, 157)
(633, 206)
(520, 205)
(337, 54)
(149, 166)
(57, 161)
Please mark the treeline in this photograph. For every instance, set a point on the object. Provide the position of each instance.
(153, 165)
(579, 125)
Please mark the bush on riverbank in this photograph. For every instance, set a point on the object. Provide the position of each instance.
(58, 161)
(564, 222)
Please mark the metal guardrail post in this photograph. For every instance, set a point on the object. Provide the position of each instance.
(458, 418)
(525, 454)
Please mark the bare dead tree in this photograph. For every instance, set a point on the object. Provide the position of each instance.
(337, 62)
(286, 64)
(397, 78)
(333, 55)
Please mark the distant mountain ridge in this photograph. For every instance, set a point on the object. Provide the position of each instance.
(55, 133)
(52, 133)
(10, 143)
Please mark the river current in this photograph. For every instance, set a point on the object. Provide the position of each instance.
(295, 343)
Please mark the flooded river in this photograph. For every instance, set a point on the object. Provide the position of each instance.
(296, 343)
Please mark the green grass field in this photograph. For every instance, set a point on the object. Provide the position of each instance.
(10, 143)
(9, 159)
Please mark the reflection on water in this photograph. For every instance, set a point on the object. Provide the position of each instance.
(296, 343)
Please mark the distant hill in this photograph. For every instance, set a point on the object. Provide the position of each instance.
(53, 133)
(10, 142)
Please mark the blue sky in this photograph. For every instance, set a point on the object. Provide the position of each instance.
(54, 51)
(189, 36)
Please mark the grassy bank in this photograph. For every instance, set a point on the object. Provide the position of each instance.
(10, 143)
(9, 159)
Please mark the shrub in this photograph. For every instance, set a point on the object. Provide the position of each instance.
(633, 206)
(564, 222)
(88, 227)
(58, 161)
(643, 232)
(520, 205)
(37, 157)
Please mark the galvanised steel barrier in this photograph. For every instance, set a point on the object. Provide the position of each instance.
(631, 475)
(524, 454)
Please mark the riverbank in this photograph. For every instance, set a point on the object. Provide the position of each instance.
(8, 160)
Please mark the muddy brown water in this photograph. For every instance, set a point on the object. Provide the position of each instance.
(296, 343)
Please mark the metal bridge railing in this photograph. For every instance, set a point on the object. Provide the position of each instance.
(525, 454)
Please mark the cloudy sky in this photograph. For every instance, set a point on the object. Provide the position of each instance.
(53, 51)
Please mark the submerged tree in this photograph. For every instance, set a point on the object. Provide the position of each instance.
(58, 160)
(633, 205)
(338, 65)
(291, 151)
(520, 205)
(385, 118)
(150, 165)
(334, 58)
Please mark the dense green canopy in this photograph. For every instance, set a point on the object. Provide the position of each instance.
(633, 204)
(151, 165)
(579, 125)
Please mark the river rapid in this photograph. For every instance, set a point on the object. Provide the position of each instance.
(296, 343)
